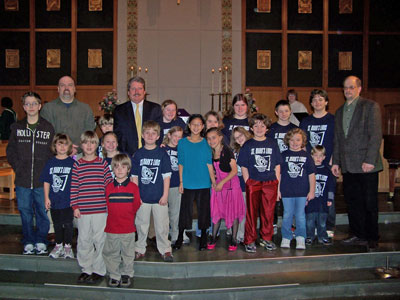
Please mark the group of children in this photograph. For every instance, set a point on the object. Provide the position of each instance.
(237, 178)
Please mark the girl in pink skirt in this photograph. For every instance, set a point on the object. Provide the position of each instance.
(226, 196)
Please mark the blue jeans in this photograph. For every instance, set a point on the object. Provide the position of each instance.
(317, 219)
(31, 202)
(294, 207)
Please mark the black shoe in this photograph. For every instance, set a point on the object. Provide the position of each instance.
(125, 281)
(94, 278)
(178, 244)
(83, 277)
(203, 241)
(372, 246)
(354, 241)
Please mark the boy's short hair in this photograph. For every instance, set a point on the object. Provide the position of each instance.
(151, 125)
(121, 159)
(293, 132)
(107, 119)
(89, 136)
(61, 137)
(31, 94)
(318, 148)
(322, 94)
(282, 102)
(259, 117)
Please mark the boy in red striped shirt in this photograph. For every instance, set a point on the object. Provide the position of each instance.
(90, 175)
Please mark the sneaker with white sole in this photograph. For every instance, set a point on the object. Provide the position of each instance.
(300, 243)
(29, 249)
(268, 245)
(330, 233)
(285, 243)
(58, 251)
(251, 248)
(41, 248)
(68, 253)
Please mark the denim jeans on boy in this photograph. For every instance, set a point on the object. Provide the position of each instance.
(31, 202)
(318, 220)
(294, 207)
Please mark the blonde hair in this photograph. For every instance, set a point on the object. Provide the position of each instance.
(318, 148)
(103, 150)
(151, 125)
(89, 136)
(171, 131)
(293, 132)
(233, 144)
(106, 120)
(65, 139)
(169, 102)
(123, 160)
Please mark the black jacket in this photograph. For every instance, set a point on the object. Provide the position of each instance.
(28, 151)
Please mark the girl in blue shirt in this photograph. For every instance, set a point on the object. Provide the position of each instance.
(195, 177)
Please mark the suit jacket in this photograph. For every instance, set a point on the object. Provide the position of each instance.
(125, 126)
(363, 139)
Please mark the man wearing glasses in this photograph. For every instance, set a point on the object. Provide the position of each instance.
(358, 136)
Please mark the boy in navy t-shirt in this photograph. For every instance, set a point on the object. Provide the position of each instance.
(317, 209)
(260, 161)
(151, 171)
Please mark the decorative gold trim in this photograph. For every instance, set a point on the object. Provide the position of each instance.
(227, 42)
(345, 61)
(345, 6)
(95, 58)
(53, 5)
(53, 58)
(12, 58)
(305, 6)
(11, 5)
(95, 5)
(305, 60)
(264, 59)
(131, 40)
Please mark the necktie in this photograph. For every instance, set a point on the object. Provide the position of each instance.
(138, 121)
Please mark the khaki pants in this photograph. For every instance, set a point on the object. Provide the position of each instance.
(119, 254)
(161, 222)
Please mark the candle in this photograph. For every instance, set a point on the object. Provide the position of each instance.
(139, 70)
(212, 81)
(220, 80)
(131, 71)
(226, 79)
(145, 77)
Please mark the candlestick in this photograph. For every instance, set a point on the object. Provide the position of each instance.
(212, 81)
(388, 126)
(395, 125)
(145, 77)
(131, 71)
(220, 80)
(226, 79)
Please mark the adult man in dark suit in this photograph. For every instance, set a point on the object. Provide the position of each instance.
(358, 136)
(129, 116)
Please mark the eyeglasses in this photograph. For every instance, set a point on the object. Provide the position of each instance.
(34, 104)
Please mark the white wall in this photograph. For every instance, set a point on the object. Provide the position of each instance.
(180, 44)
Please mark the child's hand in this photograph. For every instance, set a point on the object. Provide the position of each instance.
(163, 201)
(77, 213)
(310, 196)
(329, 203)
(47, 203)
(180, 188)
(307, 202)
(278, 198)
(219, 187)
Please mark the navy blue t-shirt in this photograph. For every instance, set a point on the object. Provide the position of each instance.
(57, 173)
(260, 158)
(165, 127)
(295, 168)
(320, 131)
(324, 190)
(173, 156)
(149, 166)
(278, 132)
(230, 124)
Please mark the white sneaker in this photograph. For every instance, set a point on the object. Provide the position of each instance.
(186, 239)
(29, 249)
(41, 248)
(285, 243)
(68, 253)
(58, 251)
(300, 243)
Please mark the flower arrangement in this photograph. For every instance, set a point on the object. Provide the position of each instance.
(109, 102)
(251, 101)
